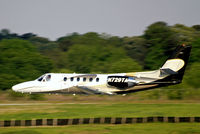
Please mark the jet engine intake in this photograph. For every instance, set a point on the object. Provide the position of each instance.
(121, 82)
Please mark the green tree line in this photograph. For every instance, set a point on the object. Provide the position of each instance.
(26, 57)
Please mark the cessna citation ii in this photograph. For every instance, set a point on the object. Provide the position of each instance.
(170, 73)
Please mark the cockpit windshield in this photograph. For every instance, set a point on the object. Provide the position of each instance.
(44, 78)
(40, 78)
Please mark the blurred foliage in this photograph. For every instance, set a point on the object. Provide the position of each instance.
(15, 95)
(192, 75)
(22, 132)
(196, 27)
(82, 58)
(195, 53)
(136, 48)
(20, 61)
(175, 94)
(162, 41)
(36, 97)
(25, 57)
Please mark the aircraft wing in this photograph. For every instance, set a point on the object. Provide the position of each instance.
(89, 90)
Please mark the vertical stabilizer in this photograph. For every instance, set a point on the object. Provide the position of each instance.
(177, 62)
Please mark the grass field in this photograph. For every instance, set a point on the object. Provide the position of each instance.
(100, 106)
(147, 128)
(57, 110)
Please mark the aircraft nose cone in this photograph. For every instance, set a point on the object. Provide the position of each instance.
(23, 87)
(15, 88)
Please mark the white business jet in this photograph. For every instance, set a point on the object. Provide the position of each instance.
(170, 73)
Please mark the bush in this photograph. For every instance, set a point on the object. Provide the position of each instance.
(175, 94)
(36, 97)
(16, 95)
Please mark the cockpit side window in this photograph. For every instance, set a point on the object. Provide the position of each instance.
(90, 79)
(84, 79)
(48, 77)
(65, 79)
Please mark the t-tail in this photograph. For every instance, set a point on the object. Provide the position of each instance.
(170, 73)
(175, 66)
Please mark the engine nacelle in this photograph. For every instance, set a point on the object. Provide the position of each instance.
(121, 82)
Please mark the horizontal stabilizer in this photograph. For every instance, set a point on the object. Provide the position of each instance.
(167, 71)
